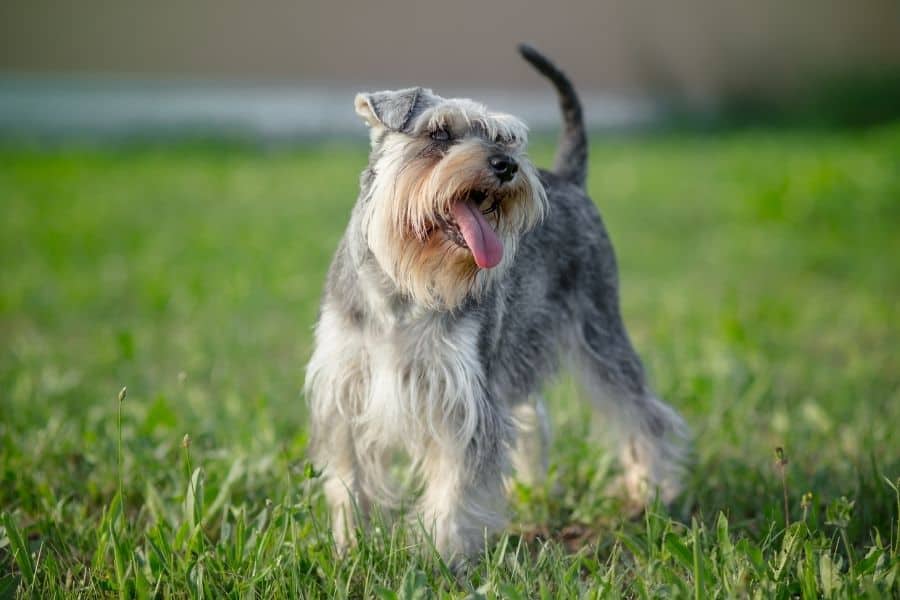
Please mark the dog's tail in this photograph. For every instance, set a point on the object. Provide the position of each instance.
(571, 155)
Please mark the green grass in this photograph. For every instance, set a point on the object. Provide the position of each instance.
(761, 278)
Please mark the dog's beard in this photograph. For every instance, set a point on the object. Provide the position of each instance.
(422, 225)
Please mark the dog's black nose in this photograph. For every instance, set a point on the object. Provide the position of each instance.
(503, 166)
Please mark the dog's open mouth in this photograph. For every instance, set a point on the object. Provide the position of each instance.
(467, 226)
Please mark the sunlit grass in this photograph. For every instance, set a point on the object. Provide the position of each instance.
(760, 282)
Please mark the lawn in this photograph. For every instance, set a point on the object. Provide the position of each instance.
(760, 282)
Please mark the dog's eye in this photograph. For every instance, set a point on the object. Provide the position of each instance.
(440, 135)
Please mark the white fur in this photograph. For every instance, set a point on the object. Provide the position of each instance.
(389, 388)
(530, 453)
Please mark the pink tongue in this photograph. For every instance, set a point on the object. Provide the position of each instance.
(479, 235)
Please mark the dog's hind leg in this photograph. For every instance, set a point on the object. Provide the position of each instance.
(650, 436)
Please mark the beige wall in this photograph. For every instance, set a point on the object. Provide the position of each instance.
(697, 47)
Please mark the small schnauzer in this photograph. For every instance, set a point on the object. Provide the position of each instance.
(463, 275)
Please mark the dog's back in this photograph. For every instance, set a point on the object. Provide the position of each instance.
(565, 274)
(561, 298)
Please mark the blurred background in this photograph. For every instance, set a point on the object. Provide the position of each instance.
(286, 69)
(176, 174)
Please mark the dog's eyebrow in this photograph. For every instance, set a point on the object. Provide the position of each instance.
(478, 127)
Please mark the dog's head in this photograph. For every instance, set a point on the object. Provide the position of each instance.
(447, 194)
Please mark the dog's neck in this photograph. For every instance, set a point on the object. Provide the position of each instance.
(385, 302)
(375, 295)
(379, 296)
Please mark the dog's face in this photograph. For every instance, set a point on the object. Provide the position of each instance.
(447, 194)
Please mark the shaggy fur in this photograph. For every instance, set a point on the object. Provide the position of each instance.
(418, 348)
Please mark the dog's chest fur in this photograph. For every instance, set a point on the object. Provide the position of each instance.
(418, 374)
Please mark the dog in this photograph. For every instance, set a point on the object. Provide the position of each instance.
(464, 277)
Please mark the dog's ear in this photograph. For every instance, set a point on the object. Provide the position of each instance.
(392, 109)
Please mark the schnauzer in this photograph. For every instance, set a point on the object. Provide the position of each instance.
(464, 275)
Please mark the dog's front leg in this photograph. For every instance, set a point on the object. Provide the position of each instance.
(342, 486)
(336, 380)
(464, 497)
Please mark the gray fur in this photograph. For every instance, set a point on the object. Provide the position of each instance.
(445, 384)
(396, 109)
(572, 153)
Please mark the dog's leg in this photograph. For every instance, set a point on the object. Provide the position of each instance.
(651, 437)
(342, 485)
(529, 454)
(335, 382)
(464, 494)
